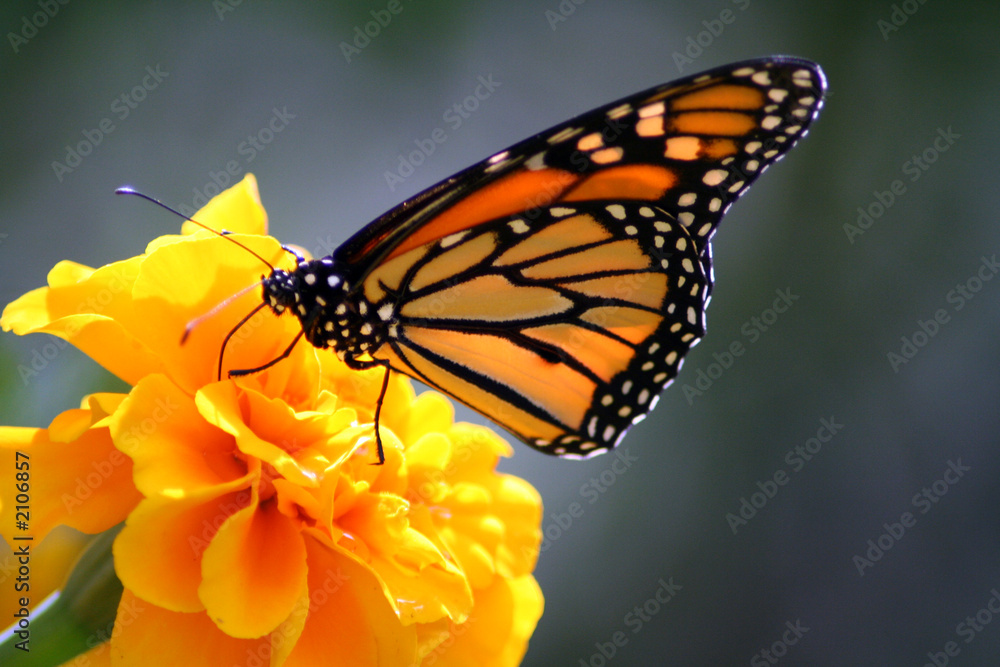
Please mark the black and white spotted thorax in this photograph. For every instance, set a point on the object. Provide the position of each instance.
(333, 315)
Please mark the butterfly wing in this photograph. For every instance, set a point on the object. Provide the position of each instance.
(563, 328)
(556, 286)
(692, 145)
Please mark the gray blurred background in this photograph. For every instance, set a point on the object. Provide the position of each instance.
(902, 76)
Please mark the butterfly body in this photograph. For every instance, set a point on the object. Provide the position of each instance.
(332, 315)
(556, 286)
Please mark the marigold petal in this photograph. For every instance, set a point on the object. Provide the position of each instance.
(237, 209)
(176, 452)
(497, 632)
(506, 520)
(85, 483)
(287, 634)
(430, 412)
(155, 637)
(350, 621)
(519, 507)
(425, 461)
(299, 446)
(158, 554)
(360, 389)
(253, 572)
(94, 410)
(180, 282)
(92, 309)
(423, 583)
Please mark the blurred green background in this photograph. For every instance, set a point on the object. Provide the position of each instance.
(902, 76)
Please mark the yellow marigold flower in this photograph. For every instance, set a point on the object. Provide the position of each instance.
(256, 527)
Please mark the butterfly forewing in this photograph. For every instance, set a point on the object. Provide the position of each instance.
(693, 146)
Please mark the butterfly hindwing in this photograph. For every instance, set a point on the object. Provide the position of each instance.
(562, 326)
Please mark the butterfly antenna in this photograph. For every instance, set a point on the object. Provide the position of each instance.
(219, 306)
(129, 191)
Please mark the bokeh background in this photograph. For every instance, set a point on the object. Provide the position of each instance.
(903, 76)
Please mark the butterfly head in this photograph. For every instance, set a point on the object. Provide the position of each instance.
(318, 293)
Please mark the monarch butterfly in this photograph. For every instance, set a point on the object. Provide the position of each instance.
(556, 286)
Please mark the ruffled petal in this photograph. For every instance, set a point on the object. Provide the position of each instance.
(350, 620)
(237, 210)
(155, 637)
(178, 283)
(423, 583)
(93, 310)
(253, 572)
(497, 632)
(158, 554)
(176, 452)
(78, 480)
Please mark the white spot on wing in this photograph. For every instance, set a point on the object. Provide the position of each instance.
(616, 210)
(519, 226)
(770, 122)
(714, 177)
(535, 162)
(452, 239)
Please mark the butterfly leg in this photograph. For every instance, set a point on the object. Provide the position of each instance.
(378, 412)
(284, 355)
(366, 364)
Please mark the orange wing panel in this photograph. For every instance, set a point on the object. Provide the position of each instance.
(720, 97)
(630, 182)
(511, 194)
(731, 123)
